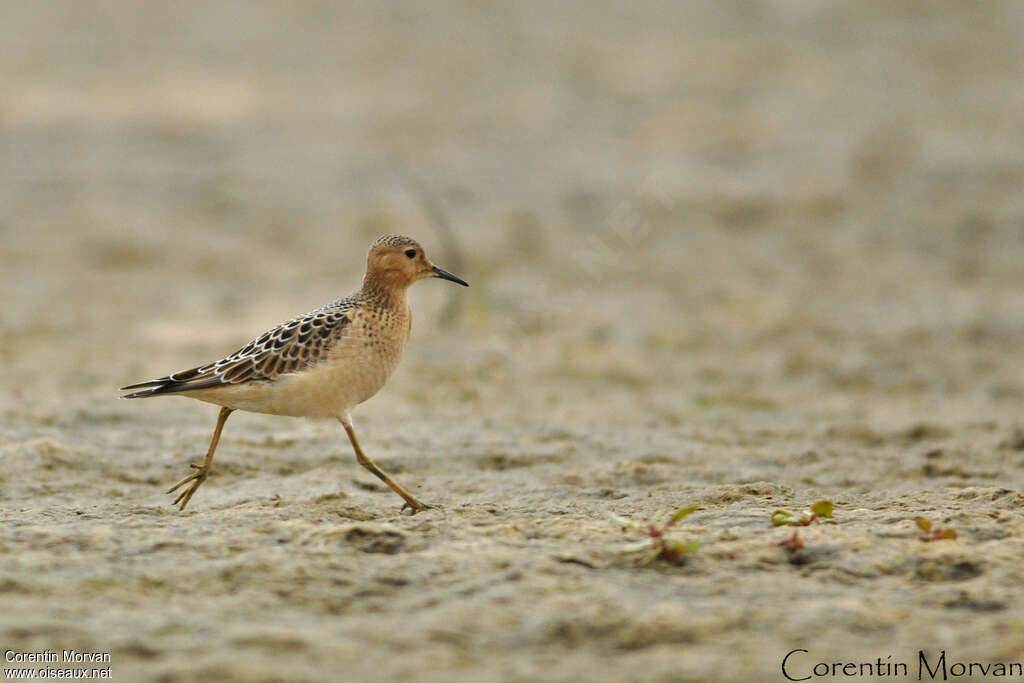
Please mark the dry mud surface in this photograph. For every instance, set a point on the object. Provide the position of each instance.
(746, 256)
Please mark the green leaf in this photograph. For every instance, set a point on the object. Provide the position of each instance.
(781, 517)
(823, 508)
(949, 534)
(692, 547)
(682, 514)
(923, 523)
(647, 559)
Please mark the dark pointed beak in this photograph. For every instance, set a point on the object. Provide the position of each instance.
(445, 275)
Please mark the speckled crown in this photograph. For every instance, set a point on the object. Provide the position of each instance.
(394, 241)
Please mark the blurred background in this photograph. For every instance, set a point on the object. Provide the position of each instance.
(652, 184)
(703, 239)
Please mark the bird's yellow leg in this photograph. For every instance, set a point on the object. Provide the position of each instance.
(198, 476)
(410, 500)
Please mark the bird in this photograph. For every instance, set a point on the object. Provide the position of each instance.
(318, 365)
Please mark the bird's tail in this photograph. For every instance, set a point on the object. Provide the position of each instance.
(155, 387)
(150, 388)
(202, 377)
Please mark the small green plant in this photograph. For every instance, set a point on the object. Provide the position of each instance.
(820, 512)
(656, 545)
(929, 534)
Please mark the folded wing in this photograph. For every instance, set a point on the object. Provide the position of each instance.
(288, 348)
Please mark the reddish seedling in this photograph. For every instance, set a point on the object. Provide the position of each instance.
(656, 545)
(820, 513)
(928, 533)
(793, 543)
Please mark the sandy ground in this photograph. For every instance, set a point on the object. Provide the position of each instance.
(747, 257)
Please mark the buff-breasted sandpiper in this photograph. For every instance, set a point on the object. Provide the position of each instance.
(319, 365)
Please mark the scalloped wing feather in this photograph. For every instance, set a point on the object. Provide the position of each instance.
(288, 348)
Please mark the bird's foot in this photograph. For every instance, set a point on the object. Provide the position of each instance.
(194, 481)
(412, 506)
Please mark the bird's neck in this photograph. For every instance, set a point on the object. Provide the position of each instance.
(381, 292)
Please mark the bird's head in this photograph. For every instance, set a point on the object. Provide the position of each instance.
(395, 262)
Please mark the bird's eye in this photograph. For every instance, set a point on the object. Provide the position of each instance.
(411, 253)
